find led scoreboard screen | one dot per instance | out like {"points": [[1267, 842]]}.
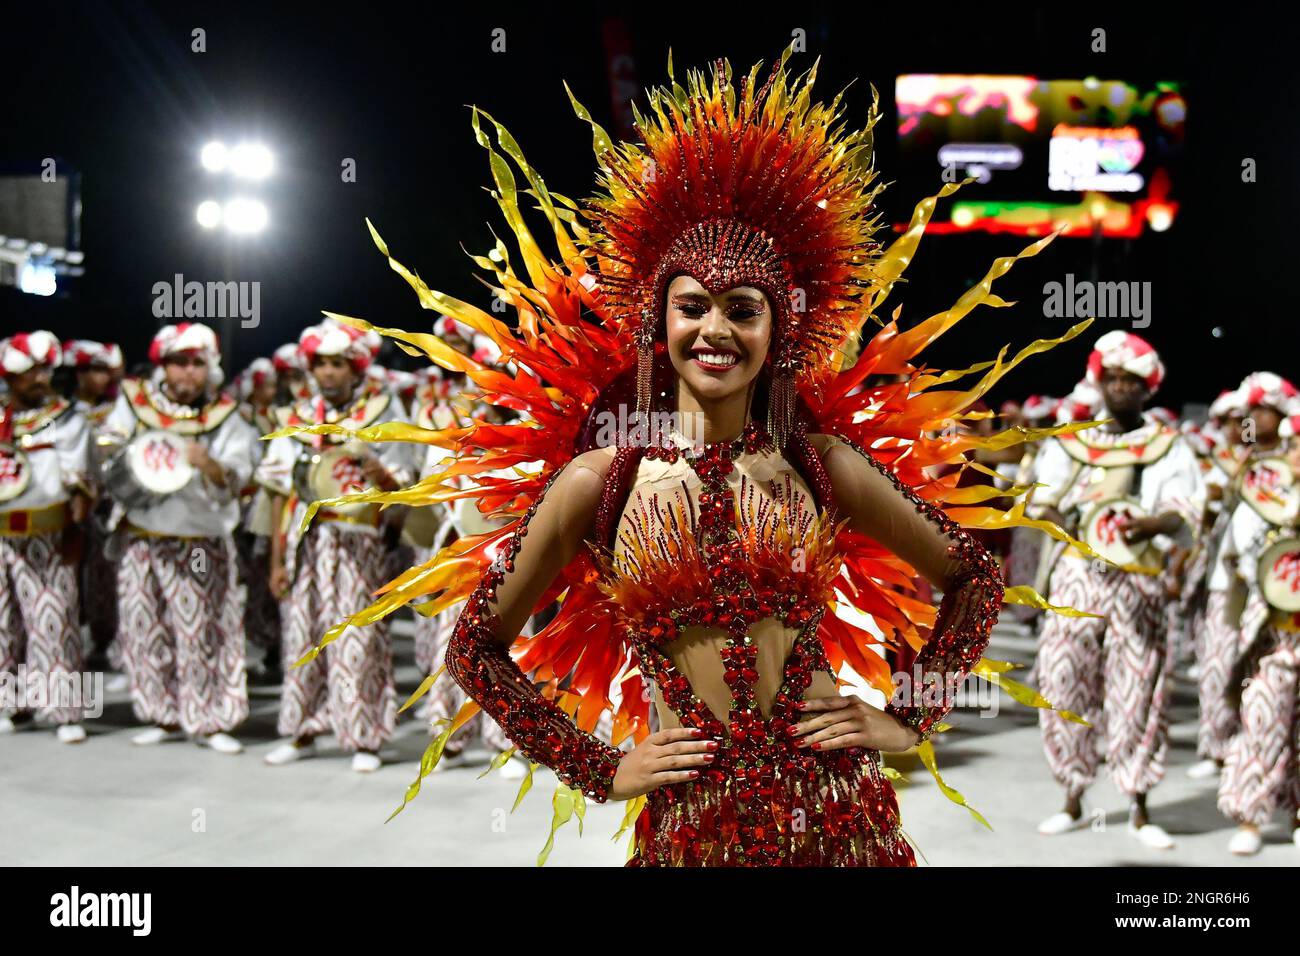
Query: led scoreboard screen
{"points": [[1092, 156]]}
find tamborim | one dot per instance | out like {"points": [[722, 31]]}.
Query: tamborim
{"points": [[1102, 529], [15, 473], [334, 472], [1269, 486], [1279, 573], [158, 461]]}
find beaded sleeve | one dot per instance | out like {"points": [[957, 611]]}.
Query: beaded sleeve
{"points": [[480, 663], [972, 599]]}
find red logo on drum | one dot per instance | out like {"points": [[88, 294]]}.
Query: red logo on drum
{"points": [[160, 455], [1110, 526], [348, 474], [1287, 569], [11, 470], [1263, 477]]}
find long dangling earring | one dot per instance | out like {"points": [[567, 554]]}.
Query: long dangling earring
{"points": [[780, 405], [645, 357]]}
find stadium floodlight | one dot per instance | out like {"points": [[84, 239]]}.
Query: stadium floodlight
{"points": [[245, 216]]}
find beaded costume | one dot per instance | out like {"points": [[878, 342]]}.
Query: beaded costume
{"points": [[711, 575]]}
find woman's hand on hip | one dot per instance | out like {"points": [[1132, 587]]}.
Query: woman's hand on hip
{"points": [[669, 756], [833, 723]]}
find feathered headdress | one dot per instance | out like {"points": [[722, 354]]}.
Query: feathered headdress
{"points": [[756, 186]]}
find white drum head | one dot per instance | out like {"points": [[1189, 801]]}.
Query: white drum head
{"points": [[15, 474], [159, 463], [1103, 530], [1269, 485], [336, 472], [1279, 574]]}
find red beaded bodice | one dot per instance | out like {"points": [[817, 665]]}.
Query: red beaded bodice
{"points": [[725, 559]]}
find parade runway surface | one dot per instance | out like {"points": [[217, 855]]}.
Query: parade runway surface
{"points": [[106, 802]]}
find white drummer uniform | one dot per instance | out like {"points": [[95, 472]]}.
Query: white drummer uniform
{"points": [[39, 628], [1113, 670], [180, 614], [1261, 766], [334, 568]]}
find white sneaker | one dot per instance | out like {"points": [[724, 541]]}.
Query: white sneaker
{"points": [[365, 763], [6, 726], [71, 733], [1062, 822], [289, 752], [1245, 843], [155, 735], [221, 743], [1203, 770], [513, 769], [1151, 835], [117, 684]]}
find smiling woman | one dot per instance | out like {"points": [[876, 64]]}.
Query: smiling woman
{"points": [[700, 562]]}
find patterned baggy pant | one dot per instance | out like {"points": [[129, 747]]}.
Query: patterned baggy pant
{"points": [[38, 623], [1261, 770], [348, 689], [1219, 646], [1113, 671], [179, 624]]}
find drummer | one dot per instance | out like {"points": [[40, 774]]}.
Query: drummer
{"points": [[1117, 664], [181, 454], [44, 496], [1260, 772], [330, 571]]}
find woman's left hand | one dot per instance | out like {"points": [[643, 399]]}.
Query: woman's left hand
{"points": [[833, 723]]}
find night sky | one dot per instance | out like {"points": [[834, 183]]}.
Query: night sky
{"points": [[114, 92]]}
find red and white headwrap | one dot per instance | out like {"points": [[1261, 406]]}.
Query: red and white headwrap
{"points": [[1132, 353], [1039, 406], [1266, 388], [333, 338], [84, 353], [185, 337], [1229, 404], [24, 351], [1290, 427], [287, 358], [1082, 404], [1166, 415], [259, 372]]}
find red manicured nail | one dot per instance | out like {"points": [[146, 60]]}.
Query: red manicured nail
{"points": [[695, 773], [711, 745], [817, 746]]}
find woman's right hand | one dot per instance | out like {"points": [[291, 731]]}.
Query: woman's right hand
{"points": [[669, 756]]}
